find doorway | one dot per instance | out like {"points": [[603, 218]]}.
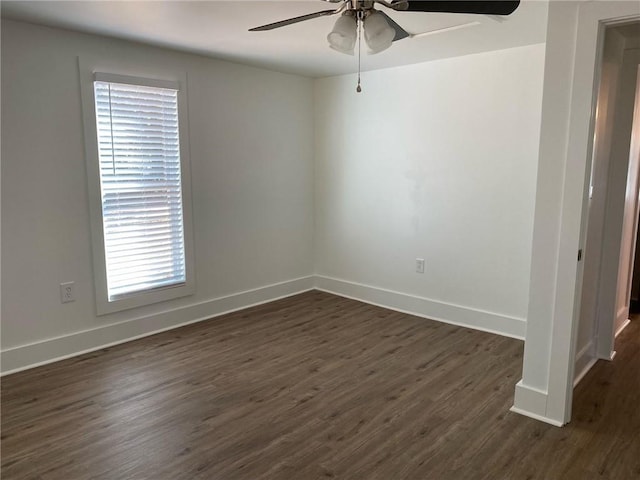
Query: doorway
{"points": [[634, 307], [613, 205]]}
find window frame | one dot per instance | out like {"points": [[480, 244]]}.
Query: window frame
{"points": [[90, 71]]}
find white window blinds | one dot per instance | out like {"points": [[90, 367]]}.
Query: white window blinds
{"points": [[140, 181]]}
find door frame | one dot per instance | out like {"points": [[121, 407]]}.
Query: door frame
{"points": [[593, 18], [573, 53]]}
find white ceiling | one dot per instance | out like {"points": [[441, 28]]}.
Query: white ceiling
{"points": [[219, 29]]}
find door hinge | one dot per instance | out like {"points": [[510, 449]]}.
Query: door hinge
{"points": [[579, 254]]}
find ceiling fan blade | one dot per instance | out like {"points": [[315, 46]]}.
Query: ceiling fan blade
{"points": [[400, 32], [486, 7], [290, 21]]}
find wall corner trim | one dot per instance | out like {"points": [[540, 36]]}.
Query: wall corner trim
{"points": [[52, 350], [532, 402], [535, 416], [424, 307]]}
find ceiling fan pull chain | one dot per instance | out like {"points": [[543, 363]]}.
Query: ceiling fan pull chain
{"points": [[359, 88]]}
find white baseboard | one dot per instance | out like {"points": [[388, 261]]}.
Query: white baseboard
{"points": [[424, 307], [532, 402], [535, 416], [51, 350], [609, 356], [585, 359], [624, 325], [31, 355]]}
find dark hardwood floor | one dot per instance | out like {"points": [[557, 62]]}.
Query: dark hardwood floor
{"points": [[313, 387]]}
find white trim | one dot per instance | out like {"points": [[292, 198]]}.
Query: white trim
{"points": [[535, 416], [584, 361], [530, 399], [608, 356], [131, 80], [624, 325], [51, 350], [425, 307], [532, 402]]}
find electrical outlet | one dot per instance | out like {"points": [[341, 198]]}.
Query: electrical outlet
{"points": [[67, 292], [420, 265]]}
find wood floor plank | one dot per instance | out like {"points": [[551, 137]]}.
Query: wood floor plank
{"points": [[313, 387]]}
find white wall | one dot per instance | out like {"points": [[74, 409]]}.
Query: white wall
{"points": [[252, 178], [436, 161]]}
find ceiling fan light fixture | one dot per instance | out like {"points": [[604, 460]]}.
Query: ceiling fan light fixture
{"points": [[343, 36], [378, 33]]}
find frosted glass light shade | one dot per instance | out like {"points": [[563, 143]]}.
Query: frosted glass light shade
{"points": [[343, 36], [378, 33]]}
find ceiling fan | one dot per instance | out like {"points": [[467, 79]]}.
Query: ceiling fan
{"points": [[380, 30]]}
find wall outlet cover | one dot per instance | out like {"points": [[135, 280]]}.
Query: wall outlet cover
{"points": [[67, 292]]}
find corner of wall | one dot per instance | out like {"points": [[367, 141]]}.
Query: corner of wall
{"points": [[531, 402], [424, 307]]}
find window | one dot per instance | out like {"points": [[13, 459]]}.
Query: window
{"points": [[138, 159]]}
